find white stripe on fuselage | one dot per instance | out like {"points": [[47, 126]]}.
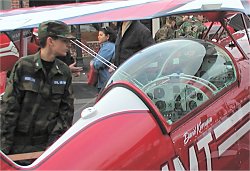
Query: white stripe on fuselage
{"points": [[233, 138], [232, 120], [120, 98], [228, 124], [9, 50], [9, 54], [205, 141]]}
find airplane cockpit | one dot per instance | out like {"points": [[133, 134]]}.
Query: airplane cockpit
{"points": [[178, 75]]}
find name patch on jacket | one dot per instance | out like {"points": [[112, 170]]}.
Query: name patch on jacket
{"points": [[30, 79], [59, 82]]}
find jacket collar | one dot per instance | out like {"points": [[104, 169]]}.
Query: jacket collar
{"points": [[39, 66], [38, 61], [104, 43]]}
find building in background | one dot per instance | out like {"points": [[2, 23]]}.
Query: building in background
{"points": [[5, 4], [13, 4]]}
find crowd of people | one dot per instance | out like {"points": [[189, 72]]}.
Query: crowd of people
{"points": [[44, 78], [121, 40], [181, 26]]}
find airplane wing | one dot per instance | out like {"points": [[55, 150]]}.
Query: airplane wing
{"points": [[113, 10]]}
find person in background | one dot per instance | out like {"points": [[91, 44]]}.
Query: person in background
{"points": [[106, 39], [38, 104], [167, 31], [132, 37], [193, 28], [180, 20], [69, 60], [33, 47]]}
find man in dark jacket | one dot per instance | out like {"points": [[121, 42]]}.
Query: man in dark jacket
{"points": [[38, 103], [132, 37]]}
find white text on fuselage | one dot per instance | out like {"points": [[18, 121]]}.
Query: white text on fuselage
{"points": [[196, 130], [204, 142]]}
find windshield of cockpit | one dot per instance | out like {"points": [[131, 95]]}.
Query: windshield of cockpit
{"points": [[178, 75]]}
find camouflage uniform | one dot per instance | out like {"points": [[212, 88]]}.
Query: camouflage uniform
{"points": [[164, 33], [192, 28], [37, 107], [168, 31], [179, 20]]}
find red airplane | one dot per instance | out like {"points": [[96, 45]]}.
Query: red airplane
{"points": [[11, 48], [182, 104]]}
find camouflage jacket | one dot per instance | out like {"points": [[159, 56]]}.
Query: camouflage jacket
{"points": [[192, 28], [164, 33], [36, 103]]}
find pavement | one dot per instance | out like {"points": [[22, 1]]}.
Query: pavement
{"points": [[85, 95]]}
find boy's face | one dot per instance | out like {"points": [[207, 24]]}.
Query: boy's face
{"points": [[60, 46], [200, 17]]}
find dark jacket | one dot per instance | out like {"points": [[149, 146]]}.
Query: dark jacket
{"points": [[37, 108], [68, 59], [136, 37]]}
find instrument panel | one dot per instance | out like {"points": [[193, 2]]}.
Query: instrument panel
{"points": [[174, 100]]}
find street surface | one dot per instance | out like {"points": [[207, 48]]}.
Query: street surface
{"points": [[85, 95]]}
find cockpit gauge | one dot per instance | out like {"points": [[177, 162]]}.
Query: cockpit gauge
{"points": [[191, 92], [192, 104], [159, 93], [161, 105]]}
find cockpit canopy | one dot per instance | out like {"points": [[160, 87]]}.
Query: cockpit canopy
{"points": [[178, 75]]}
